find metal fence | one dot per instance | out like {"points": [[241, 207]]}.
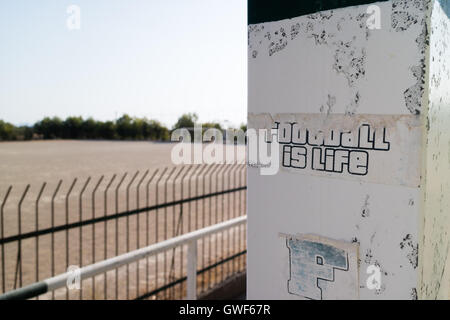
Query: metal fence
{"points": [[46, 230]]}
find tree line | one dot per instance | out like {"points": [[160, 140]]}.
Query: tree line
{"points": [[124, 128]]}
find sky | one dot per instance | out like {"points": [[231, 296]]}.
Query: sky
{"points": [[147, 58]]}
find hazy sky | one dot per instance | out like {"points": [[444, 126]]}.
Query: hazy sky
{"points": [[153, 58]]}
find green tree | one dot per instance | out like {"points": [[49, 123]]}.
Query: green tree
{"points": [[124, 127], [49, 128], [187, 120], [154, 130], [72, 128], [6, 131], [209, 125], [107, 130], [89, 129]]}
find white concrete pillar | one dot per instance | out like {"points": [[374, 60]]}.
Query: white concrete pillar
{"points": [[358, 95]]}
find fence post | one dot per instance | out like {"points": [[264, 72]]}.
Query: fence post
{"points": [[192, 270]]}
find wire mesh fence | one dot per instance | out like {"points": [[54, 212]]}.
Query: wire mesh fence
{"points": [[46, 229]]}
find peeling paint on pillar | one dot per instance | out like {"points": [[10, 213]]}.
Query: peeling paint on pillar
{"points": [[325, 71], [345, 33], [434, 260]]}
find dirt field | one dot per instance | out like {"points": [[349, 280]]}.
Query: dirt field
{"points": [[38, 161], [33, 163]]}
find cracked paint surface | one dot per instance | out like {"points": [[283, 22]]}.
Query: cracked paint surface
{"points": [[402, 19], [345, 34]]}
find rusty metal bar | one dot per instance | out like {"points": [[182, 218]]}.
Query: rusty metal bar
{"points": [[2, 220], [105, 236], [19, 252], [93, 230], [36, 220]]}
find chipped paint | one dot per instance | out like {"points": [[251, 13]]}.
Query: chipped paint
{"points": [[265, 11], [345, 34], [412, 250], [414, 294], [365, 211]]}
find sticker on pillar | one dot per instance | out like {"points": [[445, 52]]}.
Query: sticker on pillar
{"points": [[368, 148], [321, 268]]}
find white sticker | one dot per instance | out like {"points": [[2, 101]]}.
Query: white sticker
{"points": [[373, 148]]}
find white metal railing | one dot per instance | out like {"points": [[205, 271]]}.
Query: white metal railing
{"points": [[189, 239]]}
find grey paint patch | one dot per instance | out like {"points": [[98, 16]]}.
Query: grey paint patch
{"points": [[331, 101], [412, 250], [413, 97], [383, 271], [279, 43], [414, 294], [384, 274], [349, 58], [365, 211], [372, 237], [368, 257], [402, 18], [405, 6], [381, 290]]}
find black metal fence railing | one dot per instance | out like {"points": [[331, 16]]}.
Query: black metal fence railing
{"points": [[46, 230]]}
